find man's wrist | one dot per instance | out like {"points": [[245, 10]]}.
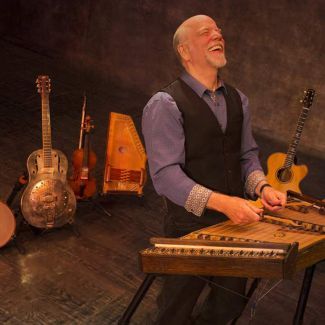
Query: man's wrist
{"points": [[262, 188], [215, 201], [254, 180]]}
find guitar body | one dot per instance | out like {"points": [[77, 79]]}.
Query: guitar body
{"points": [[284, 179], [48, 201], [283, 174]]}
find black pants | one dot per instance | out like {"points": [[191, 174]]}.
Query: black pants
{"points": [[179, 295]]}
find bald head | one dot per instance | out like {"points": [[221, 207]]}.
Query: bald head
{"points": [[199, 45], [182, 31]]}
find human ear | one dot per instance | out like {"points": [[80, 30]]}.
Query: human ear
{"points": [[183, 52]]}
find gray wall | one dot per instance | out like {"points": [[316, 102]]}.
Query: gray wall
{"points": [[274, 49]]}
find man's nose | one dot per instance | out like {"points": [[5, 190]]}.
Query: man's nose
{"points": [[216, 34]]}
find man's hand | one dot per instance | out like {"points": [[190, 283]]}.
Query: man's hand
{"points": [[272, 199], [240, 211]]}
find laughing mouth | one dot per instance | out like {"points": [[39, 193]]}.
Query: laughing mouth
{"points": [[216, 48]]}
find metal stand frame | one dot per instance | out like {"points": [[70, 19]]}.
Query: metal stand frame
{"points": [[298, 317], [137, 298], [144, 287], [304, 293]]}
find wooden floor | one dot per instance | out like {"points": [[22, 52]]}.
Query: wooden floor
{"points": [[66, 278]]}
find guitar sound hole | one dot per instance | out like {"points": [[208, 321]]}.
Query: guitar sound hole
{"points": [[284, 175]]}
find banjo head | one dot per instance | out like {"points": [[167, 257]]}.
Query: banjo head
{"points": [[7, 224]]}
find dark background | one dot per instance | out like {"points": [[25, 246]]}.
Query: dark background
{"points": [[275, 49]]}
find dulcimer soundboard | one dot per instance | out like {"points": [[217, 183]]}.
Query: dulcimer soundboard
{"points": [[275, 247], [125, 167]]}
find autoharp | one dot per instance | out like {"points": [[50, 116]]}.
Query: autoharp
{"points": [[275, 247], [125, 167]]}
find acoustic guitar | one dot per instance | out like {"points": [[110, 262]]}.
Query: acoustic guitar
{"points": [[47, 201], [283, 173]]}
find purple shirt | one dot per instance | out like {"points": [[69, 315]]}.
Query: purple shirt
{"points": [[162, 127]]}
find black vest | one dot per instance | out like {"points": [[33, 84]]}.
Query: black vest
{"points": [[212, 158]]}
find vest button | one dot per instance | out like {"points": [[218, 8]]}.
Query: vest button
{"points": [[229, 171]]}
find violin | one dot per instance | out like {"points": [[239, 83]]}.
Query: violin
{"points": [[83, 162]]}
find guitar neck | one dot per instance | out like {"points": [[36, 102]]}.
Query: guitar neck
{"points": [[307, 102], [46, 131], [291, 153]]}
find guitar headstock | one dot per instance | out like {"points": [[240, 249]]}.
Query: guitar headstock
{"points": [[43, 84], [308, 98]]}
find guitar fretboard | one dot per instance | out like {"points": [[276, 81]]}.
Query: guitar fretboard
{"points": [[296, 138], [307, 102], [46, 131]]}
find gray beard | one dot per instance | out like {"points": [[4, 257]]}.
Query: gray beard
{"points": [[219, 63]]}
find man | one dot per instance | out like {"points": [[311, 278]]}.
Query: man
{"points": [[202, 158]]}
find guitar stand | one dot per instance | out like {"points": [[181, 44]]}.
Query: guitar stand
{"points": [[95, 204], [20, 183], [42, 231], [19, 246], [100, 207], [71, 226], [74, 229]]}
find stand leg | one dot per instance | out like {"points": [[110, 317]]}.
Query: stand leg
{"points": [[21, 249], [136, 299], [20, 183], [250, 292], [70, 226], [19, 221], [253, 287], [304, 292], [95, 204], [99, 206], [75, 230]]}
